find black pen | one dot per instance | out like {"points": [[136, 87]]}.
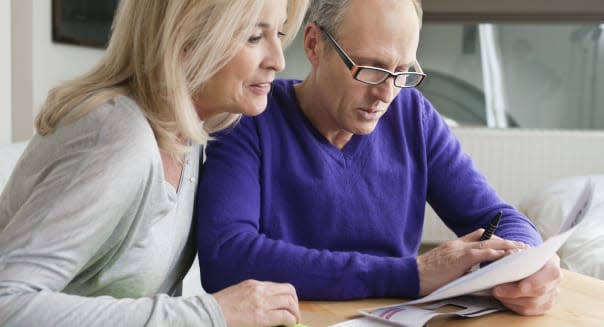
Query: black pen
{"points": [[487, 235], [492, 227]]}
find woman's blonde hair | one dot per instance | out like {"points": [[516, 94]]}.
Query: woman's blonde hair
{"points": [[161, 52]]}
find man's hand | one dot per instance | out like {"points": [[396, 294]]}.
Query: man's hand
{"points": [[535, 294], [452, 259], [253, 303]]}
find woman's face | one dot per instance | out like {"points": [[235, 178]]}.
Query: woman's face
{"points": [[243, 84]]}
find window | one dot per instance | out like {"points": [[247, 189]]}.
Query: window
{"points": [[534, 64]]}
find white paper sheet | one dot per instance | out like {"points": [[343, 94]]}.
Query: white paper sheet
{"points": [[518, 265], [362, 322]]}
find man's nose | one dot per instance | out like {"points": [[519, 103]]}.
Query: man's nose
{"points": [[386, 91]]}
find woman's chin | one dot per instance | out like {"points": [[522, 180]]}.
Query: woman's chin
{"points": [[255, 109]]}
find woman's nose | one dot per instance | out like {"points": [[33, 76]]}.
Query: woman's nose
{"points": [[275, 58]]}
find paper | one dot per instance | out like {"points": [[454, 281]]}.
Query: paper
{"points": [[518, 265], [412, 316], [511, 268], [362, 322]]}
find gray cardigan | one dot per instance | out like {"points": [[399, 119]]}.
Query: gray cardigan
{"points": [[92, 235]]}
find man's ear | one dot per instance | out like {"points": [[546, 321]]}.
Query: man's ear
{"points": [[313, 44]]}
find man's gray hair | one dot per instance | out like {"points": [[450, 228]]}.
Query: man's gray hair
{"points": [[329, 13], [326, 13]]}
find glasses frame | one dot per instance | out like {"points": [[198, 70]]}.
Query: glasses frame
{"points": [[355, 69]]}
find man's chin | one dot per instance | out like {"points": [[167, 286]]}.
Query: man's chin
{"points": [[365, 129]]}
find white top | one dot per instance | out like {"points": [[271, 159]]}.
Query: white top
{"points": [[91, 234]]}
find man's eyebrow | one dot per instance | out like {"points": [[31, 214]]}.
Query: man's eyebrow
{"points": [[369, 60]]}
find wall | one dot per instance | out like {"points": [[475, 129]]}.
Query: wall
{"points": [[5, 77], [296, 63], [38, 63]]}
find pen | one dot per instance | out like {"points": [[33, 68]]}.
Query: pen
{"points": [[492, 227], [487, 234]]}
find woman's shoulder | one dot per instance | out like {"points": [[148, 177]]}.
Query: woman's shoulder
{"points": [[116, 131], [120, 119]]}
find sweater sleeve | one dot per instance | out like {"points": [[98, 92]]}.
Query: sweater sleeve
{"points": [[233, 248], [460, 195], [78, 214]]}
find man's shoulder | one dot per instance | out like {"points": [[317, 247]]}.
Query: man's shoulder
{"points": [[282, 102], [285, 84], [283, 92]]}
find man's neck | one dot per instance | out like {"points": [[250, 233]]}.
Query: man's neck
{"points": [[313, 108]]}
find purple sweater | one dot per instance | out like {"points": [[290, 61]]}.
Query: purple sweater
{"points": [[278, 202]]}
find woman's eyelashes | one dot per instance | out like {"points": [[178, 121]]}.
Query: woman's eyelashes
{"points": [[256, 38]]}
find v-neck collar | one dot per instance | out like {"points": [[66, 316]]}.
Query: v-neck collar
{"points": [[348, 152]]}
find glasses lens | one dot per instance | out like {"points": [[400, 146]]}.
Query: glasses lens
{"points": [[407, 80], [371, 76]]}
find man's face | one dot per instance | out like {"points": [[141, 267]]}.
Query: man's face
{"points": [[384, 34]]}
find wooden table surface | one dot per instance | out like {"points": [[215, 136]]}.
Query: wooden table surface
{"points": [[580, 303]]}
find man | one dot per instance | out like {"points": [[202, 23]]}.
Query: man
{"points": [[327, 188]]}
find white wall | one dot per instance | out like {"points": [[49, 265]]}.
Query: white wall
{"points": [[5, 76], [21, 70], [38, 63]]}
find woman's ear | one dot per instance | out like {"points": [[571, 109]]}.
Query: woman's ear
{"points": [[313, 43]]}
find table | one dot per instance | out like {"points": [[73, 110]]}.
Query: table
{"points": [[580, 303]]}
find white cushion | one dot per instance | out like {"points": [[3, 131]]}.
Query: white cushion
{"points": [[584, 251]]}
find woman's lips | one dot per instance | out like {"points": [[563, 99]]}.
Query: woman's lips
{"points": [[260, 88]]}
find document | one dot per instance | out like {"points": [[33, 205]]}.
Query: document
{"points": [[511, 268]]}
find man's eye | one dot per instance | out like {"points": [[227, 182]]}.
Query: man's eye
{"points": [[281, 35]]}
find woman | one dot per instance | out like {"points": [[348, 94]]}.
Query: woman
{"points": [[95, 222]]}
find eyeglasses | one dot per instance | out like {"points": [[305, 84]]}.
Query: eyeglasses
{"points": [[374, 75]]}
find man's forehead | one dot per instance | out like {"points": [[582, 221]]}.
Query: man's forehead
{"points": [[383, 33], [380, 16]]}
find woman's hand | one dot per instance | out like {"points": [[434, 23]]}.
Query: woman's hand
{"points": [[253, 303]]}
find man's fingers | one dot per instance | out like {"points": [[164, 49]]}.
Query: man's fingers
{"points": [[498, 244], [529, 306], [473, 236]]}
